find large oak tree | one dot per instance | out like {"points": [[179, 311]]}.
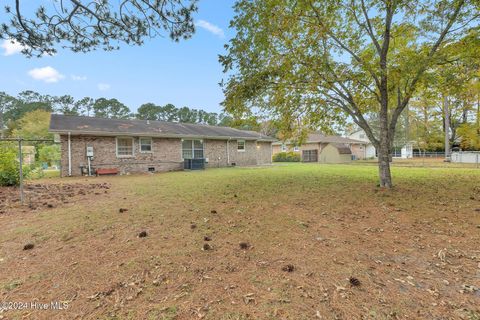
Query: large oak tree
{"points": [[308, 62]]}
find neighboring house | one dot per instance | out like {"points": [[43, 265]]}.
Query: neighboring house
{"points": [[146, 146], [404, 151], [28, 153], [369, 150], [321, 148]]}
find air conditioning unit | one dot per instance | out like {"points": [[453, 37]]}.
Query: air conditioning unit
{"points": [[194, 164]]}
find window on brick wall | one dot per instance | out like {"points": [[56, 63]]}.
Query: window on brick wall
{"points": [[241, 145], [124, 147], [145, 145], [192, 149]]}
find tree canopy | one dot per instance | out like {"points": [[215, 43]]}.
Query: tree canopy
{"points": [[83, 26]]}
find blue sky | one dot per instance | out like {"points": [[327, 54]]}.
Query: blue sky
{"points": [[161, 71]]}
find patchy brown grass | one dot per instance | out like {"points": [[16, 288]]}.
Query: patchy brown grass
{"points": [[322, 242]]}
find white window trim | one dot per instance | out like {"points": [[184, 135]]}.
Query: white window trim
{"points": [[140, 144], [296, 149], [283, 147], [244, 146], [133, 148]]}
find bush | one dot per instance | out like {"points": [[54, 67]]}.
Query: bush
{"points": [[49, 154], [36, 173], [9, 173], [287, 157]]}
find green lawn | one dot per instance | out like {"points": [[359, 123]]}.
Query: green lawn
{"points": [[414, 249]]}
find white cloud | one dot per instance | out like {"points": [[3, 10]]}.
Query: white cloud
{"points": [[210, 28], [78, 78], [11, 47], [47, 74], [103, 86]]}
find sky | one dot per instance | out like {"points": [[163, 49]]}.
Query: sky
{"points": [[161, 71]]}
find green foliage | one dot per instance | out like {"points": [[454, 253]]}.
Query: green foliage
{"points": [[151, 111], [27, 101], [148, 111], [49, 154], [82, 26], [36, 173], [470, 137], [66, 105], [287, 157], [9, 171], [33, 125], [110, 108]]}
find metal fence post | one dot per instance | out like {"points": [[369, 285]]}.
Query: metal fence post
{"points": [[20, 171]]}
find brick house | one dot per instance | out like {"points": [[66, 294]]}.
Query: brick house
{"points": [[143, 146], [321, 148]]}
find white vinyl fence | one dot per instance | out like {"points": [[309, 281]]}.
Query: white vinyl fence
{"points": [[466, 157]]}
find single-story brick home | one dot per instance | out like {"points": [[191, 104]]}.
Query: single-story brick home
{"points": [[149, 146], [322, 148]]}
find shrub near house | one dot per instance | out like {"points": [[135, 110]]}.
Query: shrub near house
{"points": [[287, 157]]}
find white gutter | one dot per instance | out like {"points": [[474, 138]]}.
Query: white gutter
{"points": [[69, 156], [228, 151]]}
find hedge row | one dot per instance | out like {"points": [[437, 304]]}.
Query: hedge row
{"points": [[287, 157]]}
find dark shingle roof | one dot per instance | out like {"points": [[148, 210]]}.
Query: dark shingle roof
{"points": [[317, 137], [100, 126]]}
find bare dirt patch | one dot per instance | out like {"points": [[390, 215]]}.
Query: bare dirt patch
{"points": [[47, 195]]}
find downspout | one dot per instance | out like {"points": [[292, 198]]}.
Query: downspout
{"points": [[69, 156], [228, 151]]}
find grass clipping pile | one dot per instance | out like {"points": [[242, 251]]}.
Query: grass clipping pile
{"points": [[47, 195]]}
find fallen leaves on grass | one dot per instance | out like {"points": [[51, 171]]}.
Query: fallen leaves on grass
{"points": [[248, 298], [288, 268], [354, 282], [28, 246], [244, 245]]}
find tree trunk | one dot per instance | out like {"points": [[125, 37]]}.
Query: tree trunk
{"points": [[384, 146], [384, 165], [478, 113], [446, 112]]}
